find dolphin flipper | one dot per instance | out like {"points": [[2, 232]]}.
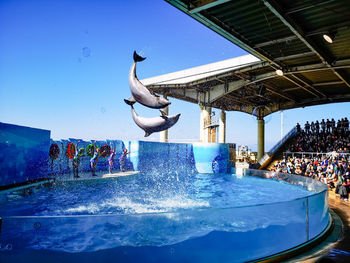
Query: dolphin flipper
{"points": [[138, 58], [148, 134], [154, 94], [163, 114], [130, 101]]}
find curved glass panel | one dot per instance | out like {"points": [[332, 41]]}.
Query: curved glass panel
{"points": [[205, 234]]}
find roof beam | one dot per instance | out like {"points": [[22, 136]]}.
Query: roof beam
{"points": [[224, 30], [273, 90], [277, 11], [275, 41], [307, 6], [239, 100], [300, 55], [220, 90], [315, 101], [207, 4], [328, 83], [296, 83], [272, 74], [189, 94], [309, 85], [338, 26]]}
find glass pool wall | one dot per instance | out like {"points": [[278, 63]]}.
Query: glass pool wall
{"points": [[235, 234], [317, 209]]}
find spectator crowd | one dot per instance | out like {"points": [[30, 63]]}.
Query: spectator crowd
{"points": [[330, 159]]}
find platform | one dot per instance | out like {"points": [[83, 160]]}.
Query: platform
{"points": [[99, 175]]}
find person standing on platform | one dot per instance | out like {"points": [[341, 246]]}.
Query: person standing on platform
{"points": [[94, 160], [122, 160], [111, 159], [76, 160]]}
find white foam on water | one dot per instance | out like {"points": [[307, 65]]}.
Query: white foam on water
{"points": [[133, 207]]}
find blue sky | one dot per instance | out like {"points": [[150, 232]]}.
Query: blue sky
{"points": [[64, 67]]}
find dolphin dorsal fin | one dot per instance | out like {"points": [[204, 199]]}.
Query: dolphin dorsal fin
{"points": [[147, 134], [163, 114]]}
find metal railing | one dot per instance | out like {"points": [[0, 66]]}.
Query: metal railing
{"points": [[274, 149], [312, 154]]}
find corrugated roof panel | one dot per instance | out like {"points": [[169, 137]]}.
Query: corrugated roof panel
{"points": [[315, 18], [320, 76], [304, 60]]}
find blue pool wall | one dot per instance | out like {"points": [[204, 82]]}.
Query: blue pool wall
{"points": [[24, 156], [23, 153]]}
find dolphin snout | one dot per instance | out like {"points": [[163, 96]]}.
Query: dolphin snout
{"points": [[177, 116], [164, 101]]}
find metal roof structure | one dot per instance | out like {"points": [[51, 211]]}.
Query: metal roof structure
{"points": [[285, 35]]}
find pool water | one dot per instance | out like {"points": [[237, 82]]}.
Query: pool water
{"points": [[160, 218], [146, 193]]}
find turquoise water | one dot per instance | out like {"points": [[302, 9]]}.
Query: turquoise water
{"points": [[159, 218], [146, 193]]}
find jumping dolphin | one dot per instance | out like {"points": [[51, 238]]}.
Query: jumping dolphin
{"points": [[157, 124], [140, 93]]}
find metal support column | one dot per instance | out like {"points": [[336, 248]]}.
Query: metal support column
{"points": [[222, 127], [164, 134], [261, 137], [204, 122]]}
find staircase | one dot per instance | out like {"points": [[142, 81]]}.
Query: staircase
{"points": [[277, 149]]}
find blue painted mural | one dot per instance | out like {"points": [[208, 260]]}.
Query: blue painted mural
{"points": [[145, 156], [23, 153]]}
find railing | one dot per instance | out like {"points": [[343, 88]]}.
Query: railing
{"points": [[211, 121], [289, 135], [312, 154], [274, 149]]}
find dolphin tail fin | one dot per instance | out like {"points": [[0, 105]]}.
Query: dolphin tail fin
{"points": [[138, 58], [148, 134], [130, 101]]}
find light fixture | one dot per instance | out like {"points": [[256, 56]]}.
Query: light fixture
{"points": [[329, 37], [279, 72]]}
